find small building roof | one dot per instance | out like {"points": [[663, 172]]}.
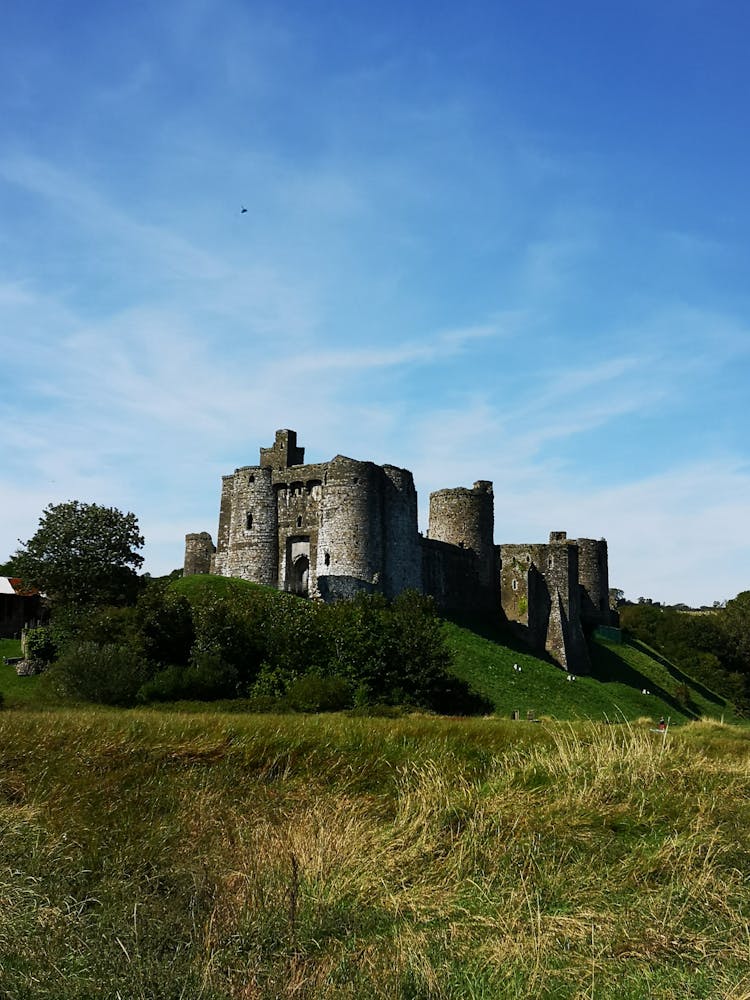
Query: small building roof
{"points": [[13, 585]]}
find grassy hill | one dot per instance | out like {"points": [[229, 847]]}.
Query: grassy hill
{"points": [[613, 690], [484, 657]]}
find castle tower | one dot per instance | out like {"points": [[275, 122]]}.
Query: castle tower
{"points": [[350, 537], [593, 576], [199, 549], [284, 452], [466, 518], [247, 542]]}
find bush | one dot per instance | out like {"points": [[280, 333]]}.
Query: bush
{"points": [[208, 678], [41, 645], [313, 693], [107, 674], [165, 625]]}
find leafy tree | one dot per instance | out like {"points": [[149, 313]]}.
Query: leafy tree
{"points": [[734, 620], [616, 597], [82, 554]]}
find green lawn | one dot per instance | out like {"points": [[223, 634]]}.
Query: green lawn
{"points": [[17, 690]]}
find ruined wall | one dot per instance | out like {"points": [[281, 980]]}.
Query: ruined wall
{"points": [[450, 575], [199, 551], [401, 543], [540, 594]]}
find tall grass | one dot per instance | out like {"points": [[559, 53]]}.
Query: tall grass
{"points": [[161, 856]]}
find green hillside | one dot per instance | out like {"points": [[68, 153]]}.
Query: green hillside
{"points": [[484, 657], [620, 672]]}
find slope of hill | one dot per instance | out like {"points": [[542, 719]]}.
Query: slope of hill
{"points": [[484, 657], [620, 673]]}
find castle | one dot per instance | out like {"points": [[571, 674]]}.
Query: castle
{"points": [[332, 529]]}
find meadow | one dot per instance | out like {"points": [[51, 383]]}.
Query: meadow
{"points": [[159, 854]]}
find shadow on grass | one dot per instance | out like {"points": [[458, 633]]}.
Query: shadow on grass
{"points": [[500, 632], [675, 672], [608, 667]]}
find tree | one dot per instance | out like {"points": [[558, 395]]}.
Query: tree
{"points": [[82, 554], [616, 598], [734, 619]]}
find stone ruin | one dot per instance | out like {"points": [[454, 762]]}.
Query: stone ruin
{"points": [[332, 529]]}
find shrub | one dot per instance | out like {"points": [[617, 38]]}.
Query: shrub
{"points": [[313, 693], [108, 674], [41, 644], [165, 625], [208, 678]]}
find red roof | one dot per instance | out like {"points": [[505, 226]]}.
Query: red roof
{"points": [[15, 585]]}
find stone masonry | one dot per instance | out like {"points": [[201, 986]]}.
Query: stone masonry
{"points": [[332, 529]]}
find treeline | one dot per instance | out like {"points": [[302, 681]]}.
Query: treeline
{"points": [[713, 647], [200, 639]]}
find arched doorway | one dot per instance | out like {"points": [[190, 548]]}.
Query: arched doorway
{"points": [[299, 578]]}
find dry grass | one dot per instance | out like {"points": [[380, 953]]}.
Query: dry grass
{"points": [[334, 858]]}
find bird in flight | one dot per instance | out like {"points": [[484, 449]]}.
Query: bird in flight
{"points": [[243, 210]]}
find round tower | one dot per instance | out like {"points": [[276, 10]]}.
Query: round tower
{"points": [[350, 539], [593, 576], [248, 527], [466, 518]]}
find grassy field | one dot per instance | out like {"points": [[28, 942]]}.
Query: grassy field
{"points": [[151, 855], [14, 689]]}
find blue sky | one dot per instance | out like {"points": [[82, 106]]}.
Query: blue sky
{"points": [[485, 240]]}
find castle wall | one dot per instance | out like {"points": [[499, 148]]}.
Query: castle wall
{"points": [[449, 574], [401, 542], [540, 594]]}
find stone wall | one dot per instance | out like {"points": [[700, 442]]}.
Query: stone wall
{"points": [[199, 551], [541, 595], [593, 575]]}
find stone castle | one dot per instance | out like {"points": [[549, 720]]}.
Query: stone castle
{"points": [[332, 529]]}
